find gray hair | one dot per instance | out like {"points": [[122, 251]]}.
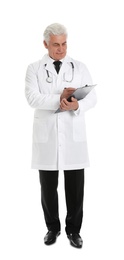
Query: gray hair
{"points": [[55, 29]]}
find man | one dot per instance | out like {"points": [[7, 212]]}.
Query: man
{"points": [[59, 139]]}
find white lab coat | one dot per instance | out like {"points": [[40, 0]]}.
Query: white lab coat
{"points": [[59, 140]]}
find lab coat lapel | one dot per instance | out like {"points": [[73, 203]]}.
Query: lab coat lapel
{"points": [[50, 67], [65, 65], [49, 64]]}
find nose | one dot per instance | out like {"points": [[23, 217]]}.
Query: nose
{"points": [[60, 48]]}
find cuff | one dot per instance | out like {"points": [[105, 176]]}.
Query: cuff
{"points": [[77, 112]]}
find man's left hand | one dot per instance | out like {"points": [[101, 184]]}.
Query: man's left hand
{"points": [[65, 105]]}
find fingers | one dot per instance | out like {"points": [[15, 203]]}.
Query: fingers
{"points": [[65, 105], [69, 91], [73, 99], [66, 93]]}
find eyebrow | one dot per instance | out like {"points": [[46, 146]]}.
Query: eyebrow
{"points": [[56, 43]]}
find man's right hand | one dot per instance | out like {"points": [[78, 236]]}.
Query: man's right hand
{"points": [[66, 93]]}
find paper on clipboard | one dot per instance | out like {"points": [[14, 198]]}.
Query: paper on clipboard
{"points": [[79, 94]]}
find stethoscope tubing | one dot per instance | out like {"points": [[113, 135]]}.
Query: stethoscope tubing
{"points": [[49, 78]]}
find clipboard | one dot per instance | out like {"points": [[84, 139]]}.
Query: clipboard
{"points": [[79, 94]]}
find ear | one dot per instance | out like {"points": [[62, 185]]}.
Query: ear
{"points": [[45, 44]]}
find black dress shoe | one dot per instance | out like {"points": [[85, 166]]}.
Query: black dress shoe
{"points": [[51, 237], [75, 240]]}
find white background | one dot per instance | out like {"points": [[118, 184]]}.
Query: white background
{"points": [[96, 38]]}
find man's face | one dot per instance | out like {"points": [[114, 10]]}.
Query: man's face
{"points": [[57, 46]]}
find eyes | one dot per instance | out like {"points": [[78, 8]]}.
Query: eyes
{"points": [[64, 44]]}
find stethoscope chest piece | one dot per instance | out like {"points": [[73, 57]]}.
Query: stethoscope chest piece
{"points": [[49, 79]]}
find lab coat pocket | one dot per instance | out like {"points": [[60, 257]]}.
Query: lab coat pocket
{"points": [[40, 132], [79, 131]]}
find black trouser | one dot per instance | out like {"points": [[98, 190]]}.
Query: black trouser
{"points": [[74, 191]]}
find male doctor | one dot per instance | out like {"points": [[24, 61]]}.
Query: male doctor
{"points": [[59, 139]]}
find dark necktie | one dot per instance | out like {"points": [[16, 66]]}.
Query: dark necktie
{"points": [[57, 65]]}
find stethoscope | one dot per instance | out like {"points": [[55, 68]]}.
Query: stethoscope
{"points": [[49, 79]]}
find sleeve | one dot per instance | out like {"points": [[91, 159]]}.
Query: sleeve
{"points": [[91, 99], [33, 95]]}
